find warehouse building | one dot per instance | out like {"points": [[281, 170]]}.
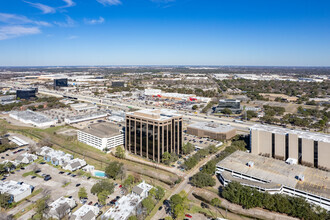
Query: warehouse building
{"points": [[275, 176], [308, 148], [102, 136], [212, 130], [151, 132], [16, 190], [35, 118], [86, 117]]}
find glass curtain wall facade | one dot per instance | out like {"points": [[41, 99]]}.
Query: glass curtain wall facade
{"points": [[151, 138]]}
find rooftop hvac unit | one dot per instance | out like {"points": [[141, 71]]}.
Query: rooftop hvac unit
{"points": [[250, 164], [301, 177]]}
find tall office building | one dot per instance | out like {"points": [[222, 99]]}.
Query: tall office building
{"points": [[151, 132], [307, 148]]}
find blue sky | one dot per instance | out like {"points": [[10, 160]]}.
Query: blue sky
{"points": [[164, 32]]}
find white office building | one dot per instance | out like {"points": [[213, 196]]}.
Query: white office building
{"points": [[102, 136]]}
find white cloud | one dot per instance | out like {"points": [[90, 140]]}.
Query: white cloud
{"points": [[7, 32], [109, 2], [69, 3], [69, 22], [72, 37], [100, 20], [44, 8], [20, 19]]}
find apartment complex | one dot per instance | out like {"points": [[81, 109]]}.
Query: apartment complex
{"points": [[151, 132], [311, 149], [102, 136], [212, 130]]}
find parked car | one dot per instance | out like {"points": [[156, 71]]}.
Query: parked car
{"points": [[90, 203], [188, 215], [160, 208], [47, 177], [61, 172], [78, 184], [32, 177]]}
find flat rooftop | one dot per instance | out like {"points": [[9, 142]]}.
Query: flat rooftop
{"points": [[278, 172], [103, 130], [212, 127], [35, 117], [155, 114], [301, 134]]}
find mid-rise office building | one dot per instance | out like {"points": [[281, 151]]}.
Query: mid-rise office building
{"points": [[308, 148], [26, 93], [232, 104], [60, 83], [151, 132], [117, 84]]}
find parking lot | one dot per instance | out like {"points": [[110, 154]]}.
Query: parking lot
{"points": [[198, 141]]}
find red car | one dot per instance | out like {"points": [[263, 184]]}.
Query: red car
{"points": [[90, 203], [120, 186], [188, 216]]}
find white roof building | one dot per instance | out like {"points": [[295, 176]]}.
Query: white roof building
{"points": [[17, 190], [86, 212], [35, 118], [74, 164], [126, 205], [26, 158], [60, 208]]}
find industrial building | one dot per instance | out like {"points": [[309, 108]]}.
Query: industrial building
{"points": [[83, 107], [26, 93], [80, 118], [16, 190], [35, 118], [102, 136], [151, 132], [232, 104], [308, 148], [212, 130], [276, 176]]}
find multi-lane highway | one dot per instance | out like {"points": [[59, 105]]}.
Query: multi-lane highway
{"points": [[240, 126]]}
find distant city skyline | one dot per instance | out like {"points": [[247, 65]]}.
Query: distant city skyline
{"points": [[164, 32]]}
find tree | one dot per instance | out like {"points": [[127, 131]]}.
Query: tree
{"points": [[168, 218], [82, 193], [5, 200], [166, 158], [216, 202], [120, 152], [202, 180], [102, 197], [42, 204], [226, 111], [187, 148], [114, 169], [101, 186], [157, 192], [178, 211], [148, 204], [129, 181], [194, 107]]}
